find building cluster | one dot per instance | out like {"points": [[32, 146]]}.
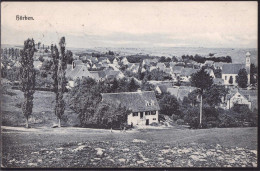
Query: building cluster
{"points": [[144, 105]]}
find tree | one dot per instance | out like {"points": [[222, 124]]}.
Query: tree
{"points": [[132, 87], [213, 94], [169, 105], [253, 74], [39, 44], [69, 57], [230, 80], [218, 73], [60, 103], [242, 78], [41, 58], [27, 76], [140, 70], [202, 80]]}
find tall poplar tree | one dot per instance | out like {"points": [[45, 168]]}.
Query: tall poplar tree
{"points": [[61, 82], [27, 77]]}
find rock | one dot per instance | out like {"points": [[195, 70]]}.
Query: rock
{"points": [[96, 158], [32, 164], [140, 162], [55, 126], [254, 151], [122, 160], [194, 157], [112, 160], [164, 151], [137, 140], [254, 164], [125, 150], [168, 161], [220, 158], [99, 151]]}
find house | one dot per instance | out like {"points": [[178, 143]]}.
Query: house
{"points": [[186, 74], [177, 70], [230, 71], [150, 62], [209, 63], [218, 65], [181, 92], [115, 61], [143, 105], [125, 61], [218, 81], [237, 98], [210, 72], [161, 66]]}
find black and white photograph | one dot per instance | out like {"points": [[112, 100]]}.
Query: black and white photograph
{"points": [[120, 84]]}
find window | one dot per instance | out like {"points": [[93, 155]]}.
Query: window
{"points": [[147, 113], [153, 112], [225, 77], [154, 119], [135, 114]]}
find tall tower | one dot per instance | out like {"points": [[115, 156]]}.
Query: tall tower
{"points": [[248, 63]]}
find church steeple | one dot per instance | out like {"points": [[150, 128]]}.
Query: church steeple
{"points": [[248, 63]]}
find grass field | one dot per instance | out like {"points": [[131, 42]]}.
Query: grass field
{"points": [[43, 146], [83, 147]]}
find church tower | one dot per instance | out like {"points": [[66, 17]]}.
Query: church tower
{"points": [[248, 63]]}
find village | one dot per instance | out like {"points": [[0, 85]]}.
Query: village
{"points": [[129, 85]]}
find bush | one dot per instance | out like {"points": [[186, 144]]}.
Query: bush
{"points": [[175, 117], [180, 121]]}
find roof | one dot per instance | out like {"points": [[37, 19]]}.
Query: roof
{"points": [[218, 64], [78, 62], [218, 81], [148, 61], [181, 92], [161, 65], [78, 72], [164, 87], [135, 101], [177, 69], [188, 71], [232, 68]]}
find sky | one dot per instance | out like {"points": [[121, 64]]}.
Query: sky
{"points": [[216, 24]]}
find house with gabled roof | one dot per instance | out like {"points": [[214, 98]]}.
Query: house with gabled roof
{"points": [[150, 61], [124, 61], [142, 104], [237, 98], [181, 91], [186, 74]]}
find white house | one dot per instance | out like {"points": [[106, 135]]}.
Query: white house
{"points": [[237, 98], [125, 61], [230, 71], [143, 105]]}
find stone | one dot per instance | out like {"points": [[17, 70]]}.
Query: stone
{"points": [[99, 151], [140, 162], [122, 160], [137, 140]]}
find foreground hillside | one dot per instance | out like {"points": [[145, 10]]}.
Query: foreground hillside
{"points": [[47, 147]]}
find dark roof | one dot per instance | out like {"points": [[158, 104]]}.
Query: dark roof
{"points": [[188, 71], [232, 68], [164, 87], [177, 69], [135, 101]]}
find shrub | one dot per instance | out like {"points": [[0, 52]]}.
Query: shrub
{"points": [[175, 117], [180, 121]]}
